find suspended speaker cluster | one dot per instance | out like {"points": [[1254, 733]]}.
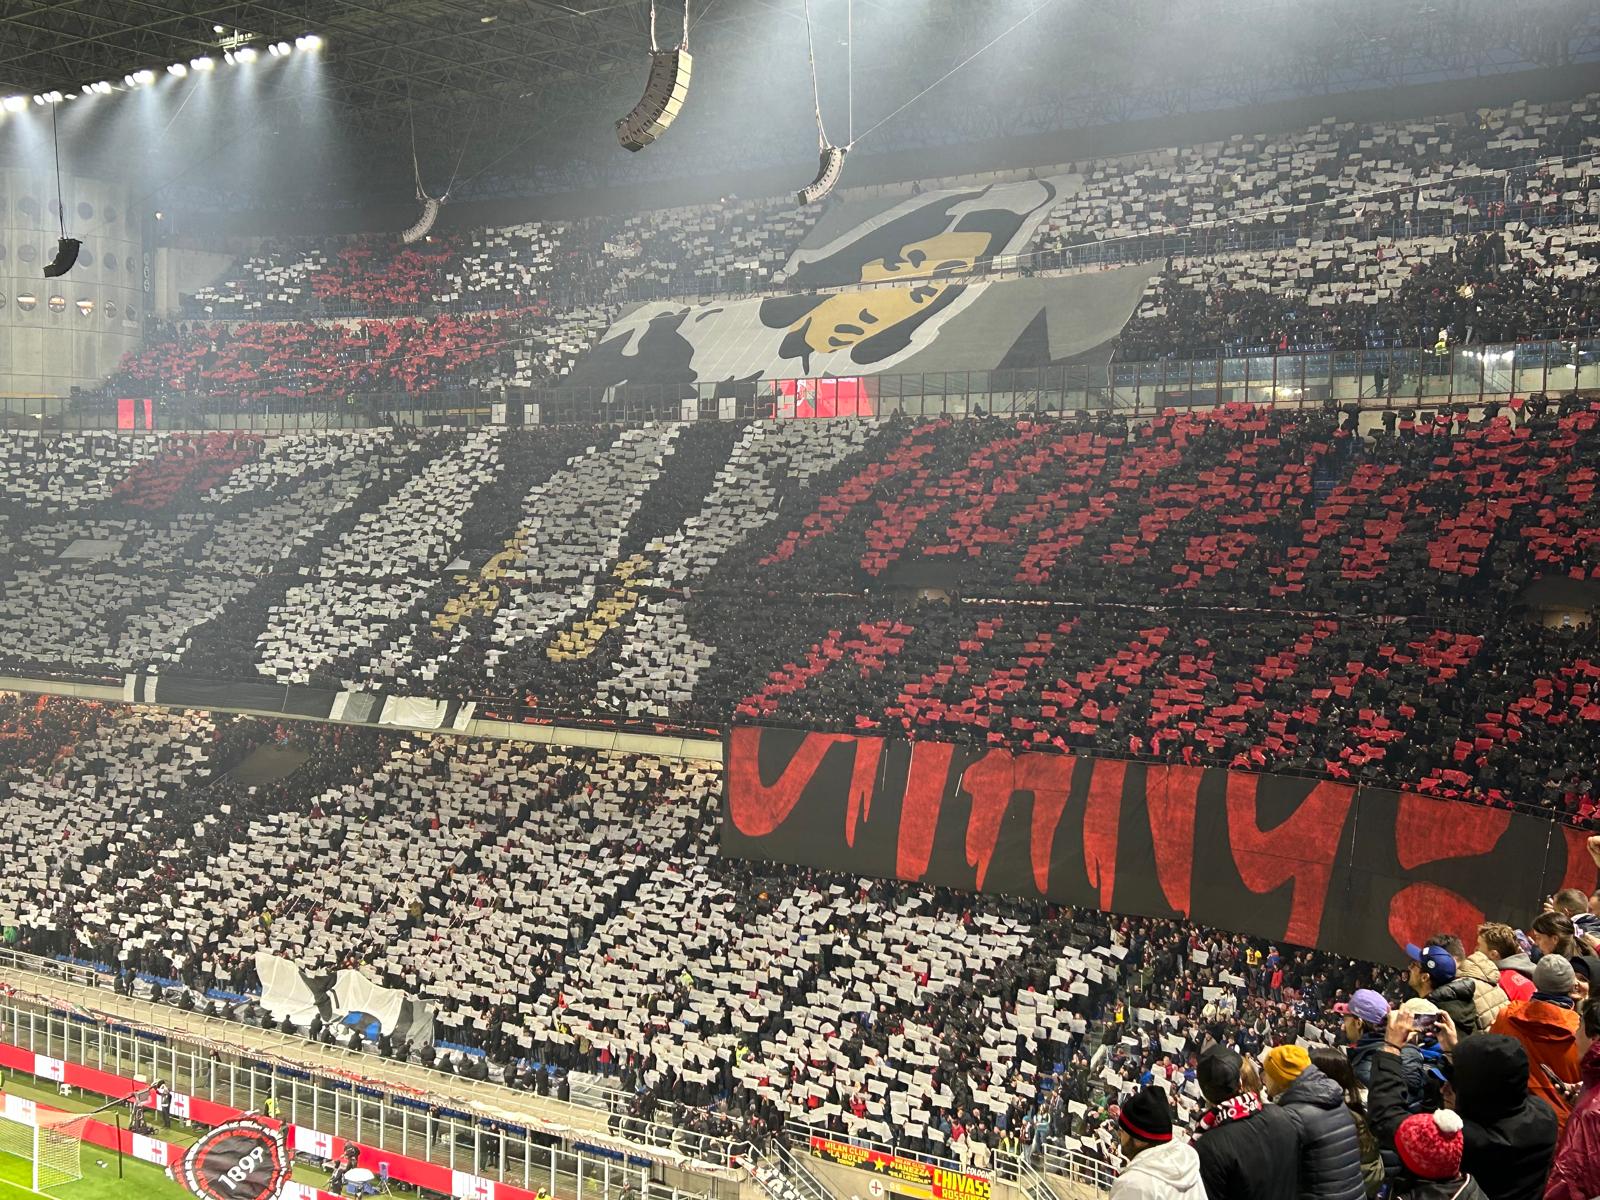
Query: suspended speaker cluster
{"points": [[830, 166], [430, 214], [66, 257], [663, 98]]}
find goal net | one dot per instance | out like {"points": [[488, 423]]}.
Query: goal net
{"points": [[52, 1146]]}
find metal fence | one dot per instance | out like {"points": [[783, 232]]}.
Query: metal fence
{"points": [[1307, 378], [345, 1109], [1081, 1170]]}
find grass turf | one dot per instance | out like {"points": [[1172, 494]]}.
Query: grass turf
{"points": [[140, 1181]]}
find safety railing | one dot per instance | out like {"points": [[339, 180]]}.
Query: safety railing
{"points": [[1077, 1168], [1303, 379], [560, 1157]]}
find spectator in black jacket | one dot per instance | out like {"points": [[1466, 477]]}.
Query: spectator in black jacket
{"points": [[1509, 1135], [1433, 976], [1364, 1018], [1330, 1147], [1248, 1150]]}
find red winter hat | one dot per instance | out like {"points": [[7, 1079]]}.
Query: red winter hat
{"points": [[1429, 1144]]}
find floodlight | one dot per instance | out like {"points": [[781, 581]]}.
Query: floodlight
{"points": [[178, 69], [308, 41], [202, 63]]}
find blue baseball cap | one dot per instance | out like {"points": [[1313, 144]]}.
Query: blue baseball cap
{"points": [[1435, 961]]}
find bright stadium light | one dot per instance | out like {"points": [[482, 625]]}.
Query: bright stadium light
{"points": [[245, 54], [308, 41], [178, 69], [144, 77], [13, 104], [202, 63], [278, 49]]}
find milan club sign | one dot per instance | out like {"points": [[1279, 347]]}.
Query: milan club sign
{"points": [[1358, 871], [244, 1159]]}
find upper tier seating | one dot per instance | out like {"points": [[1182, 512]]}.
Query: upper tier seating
{"points": [[703, 572]]}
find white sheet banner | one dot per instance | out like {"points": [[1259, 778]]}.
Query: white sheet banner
{"points": [[471, 1187], [49, 1068], [149, 1149], [20, 1110], [312, 1141]]}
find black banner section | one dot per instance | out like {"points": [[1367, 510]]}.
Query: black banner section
{"points": [[241, 1160], [1358, 871]]}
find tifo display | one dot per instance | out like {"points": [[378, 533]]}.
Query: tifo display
{"points": [[547, 658]]}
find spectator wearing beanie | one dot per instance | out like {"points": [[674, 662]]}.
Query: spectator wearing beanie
{"points": [[1547, 1027], [1576, 1173], [1159, 1167], [1330, 1147], [1432, 976], [1508, 1135], [1248, 1150], [1429, 1146], [1364, 1018]]}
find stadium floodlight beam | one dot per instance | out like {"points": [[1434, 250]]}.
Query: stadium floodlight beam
{"points": [[245, 54], [14, 104], [178, 69], [144, 77], [203, 63], [308, 41], [278, 49]]}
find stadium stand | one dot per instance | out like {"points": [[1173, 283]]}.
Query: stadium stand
{"points": [[1241, 586], [1337, 595], [564, 908]]}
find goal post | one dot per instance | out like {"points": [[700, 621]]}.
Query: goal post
{"points": [[51, 1144], [58, 1149]]}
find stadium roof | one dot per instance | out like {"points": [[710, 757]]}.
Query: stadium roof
{"points": [[476, 77]]}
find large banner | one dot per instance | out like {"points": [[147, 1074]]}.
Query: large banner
{"points": [[907, 1176], [1358, 871]]}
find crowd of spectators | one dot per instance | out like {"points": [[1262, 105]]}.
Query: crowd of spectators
{"points": [[568, 915], [1311, 593], [1470, 230]]}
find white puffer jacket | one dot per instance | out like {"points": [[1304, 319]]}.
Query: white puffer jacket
{"points": [[1167, 1172]]}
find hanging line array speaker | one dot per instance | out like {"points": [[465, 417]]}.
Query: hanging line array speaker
{"points": [[430, 214], [663, 98], [830, 166], [66, 257]]}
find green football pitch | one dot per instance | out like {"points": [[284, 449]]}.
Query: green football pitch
{"points": [[139, 1180]]}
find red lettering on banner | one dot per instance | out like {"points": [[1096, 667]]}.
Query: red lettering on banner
{"points": [[992, 781], [863, 779], [1418, 912], [757, 809], [1299, 850], [1580, 872], [1102, 818], [919, 809], [1171, 794], [1049, 777], [1418, 821]]}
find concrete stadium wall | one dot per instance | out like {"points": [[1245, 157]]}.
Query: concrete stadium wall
{"points": [[57, 333]]}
